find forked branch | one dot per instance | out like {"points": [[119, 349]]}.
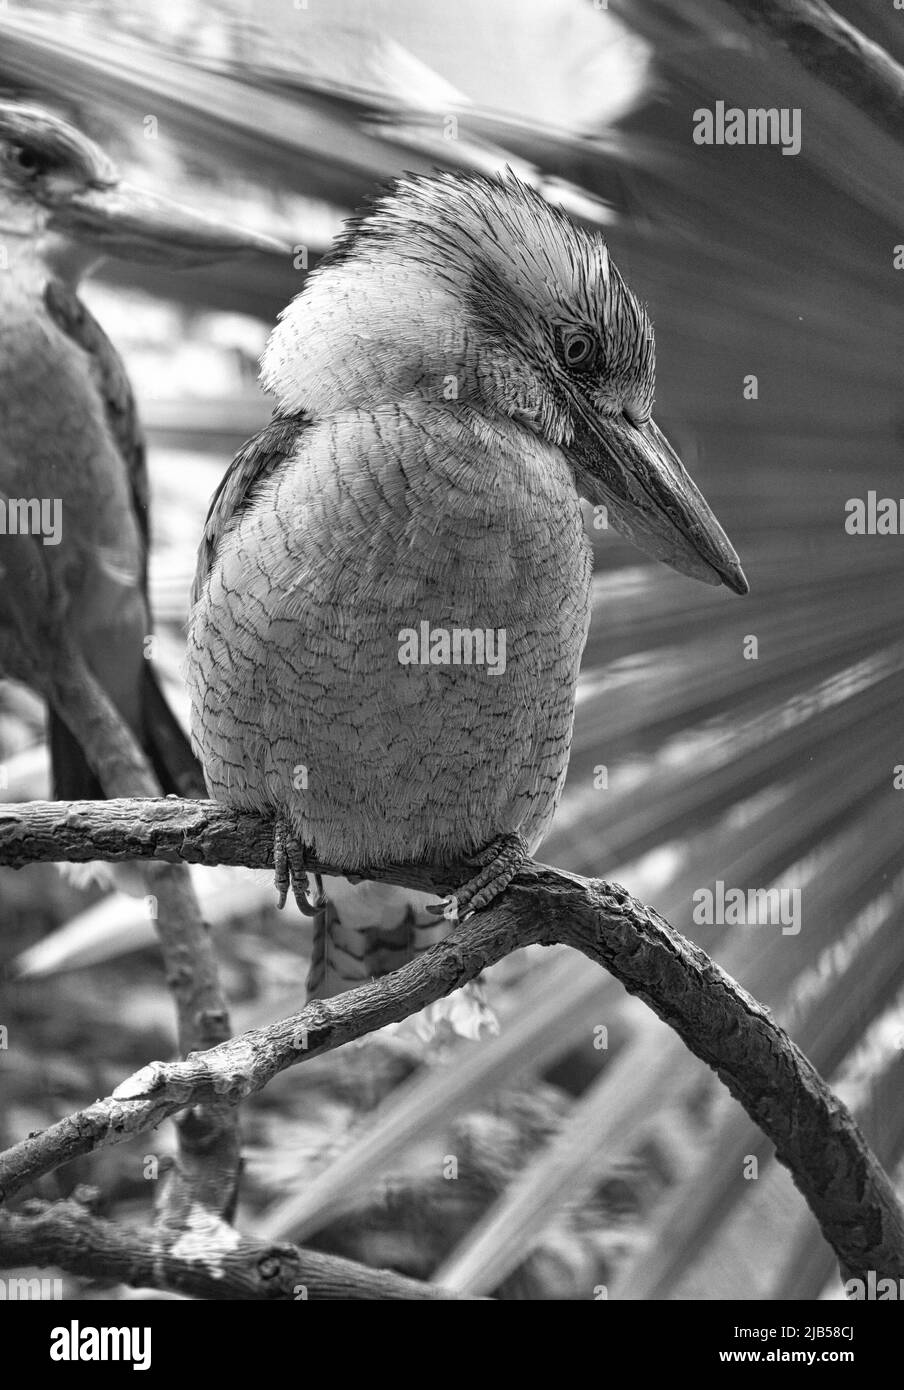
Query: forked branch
{"points": [[814, 1134]]}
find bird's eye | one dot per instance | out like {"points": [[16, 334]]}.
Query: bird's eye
{"points": [[23, 159], [578, 349]]}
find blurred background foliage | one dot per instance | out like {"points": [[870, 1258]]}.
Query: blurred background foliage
{"points": [[581, 1146]]}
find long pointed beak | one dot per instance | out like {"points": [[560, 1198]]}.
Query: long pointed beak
{"points": [[120, 220], [651, 498]]}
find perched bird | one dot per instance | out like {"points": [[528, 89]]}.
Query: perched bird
{"points": [[73, 484], [462, 368]]}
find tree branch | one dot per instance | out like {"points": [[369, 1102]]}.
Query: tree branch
{"points": [[215, 1263], [209, 1142], [815, 1135]]}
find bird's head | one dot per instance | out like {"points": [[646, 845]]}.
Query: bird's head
{"points": [[61, 194], [478, 291]]}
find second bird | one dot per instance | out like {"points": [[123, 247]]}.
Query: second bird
{"points": [[73, 481]]}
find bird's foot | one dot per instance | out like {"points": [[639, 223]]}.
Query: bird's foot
{"points": [[498, 864], [290, 865]]}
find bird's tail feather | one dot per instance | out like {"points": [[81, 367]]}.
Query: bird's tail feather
{"points": [[343, 957]]}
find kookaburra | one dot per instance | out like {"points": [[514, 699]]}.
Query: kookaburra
{"points": [[462, 368], [73, 485]]}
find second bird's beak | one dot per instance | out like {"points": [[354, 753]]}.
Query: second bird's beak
{"points": [[120, 220], [651, 499]]}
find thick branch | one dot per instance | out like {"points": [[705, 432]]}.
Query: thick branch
{"points": [[216, 1263], [838, 54], [814, 1134], [166, 828]]}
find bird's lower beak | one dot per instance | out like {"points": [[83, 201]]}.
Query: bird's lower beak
{"points": [[128, 222], [651, 499]]}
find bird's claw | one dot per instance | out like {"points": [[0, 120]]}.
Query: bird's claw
{"points": [[446, 907], [291, 870], [498, 863]]}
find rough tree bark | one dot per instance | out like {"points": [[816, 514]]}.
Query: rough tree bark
{"points": [[814, 1134]]}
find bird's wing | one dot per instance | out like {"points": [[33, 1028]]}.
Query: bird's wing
{"points": [[72, 318], [253, 463], [146, 708]]}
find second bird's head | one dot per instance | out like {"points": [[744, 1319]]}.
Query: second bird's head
{"points": [[63, 198], [478, 290]]}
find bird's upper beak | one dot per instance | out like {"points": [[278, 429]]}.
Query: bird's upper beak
{"points": [[117, 219], [650, 497]]}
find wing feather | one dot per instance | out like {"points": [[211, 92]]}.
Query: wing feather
{"points": [[252, 465], [72, 318]]}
